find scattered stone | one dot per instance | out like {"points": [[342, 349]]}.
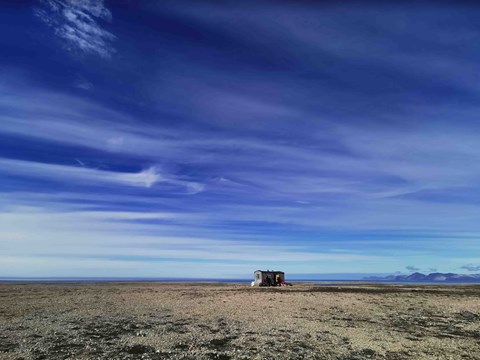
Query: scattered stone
{"points": [[6, 346], [130, 321], [139, 349], [468, 315]]}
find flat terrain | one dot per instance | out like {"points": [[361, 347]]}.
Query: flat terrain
{"points": [[235, 321]]}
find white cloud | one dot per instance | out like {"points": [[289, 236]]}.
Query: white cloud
{"points": [[64, 173], [52, 266], [145, 178], [419, 160], [77, 23], [82, 83], [115, 142], [37, 230], [40, 232]]}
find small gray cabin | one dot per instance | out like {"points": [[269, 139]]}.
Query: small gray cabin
{"points": [[268, 278]]}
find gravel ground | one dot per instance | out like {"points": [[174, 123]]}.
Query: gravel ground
{"points": [[235, 321]]}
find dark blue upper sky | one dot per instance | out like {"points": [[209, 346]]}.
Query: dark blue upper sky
{"points": [[142, 138]]}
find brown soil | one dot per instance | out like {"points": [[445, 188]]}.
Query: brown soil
{"points": [[235, 321]]}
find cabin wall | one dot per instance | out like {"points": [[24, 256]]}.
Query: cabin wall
{"points": [[262, 278], [259, 279]]}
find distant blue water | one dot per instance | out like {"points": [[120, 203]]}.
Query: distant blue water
{"points": [[134, 279]]}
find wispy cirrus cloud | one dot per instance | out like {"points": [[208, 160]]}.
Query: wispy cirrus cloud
{"points": [[308, 131], [82, 83], [343, 160], [77, 22], [107, 235], [61, 173]]}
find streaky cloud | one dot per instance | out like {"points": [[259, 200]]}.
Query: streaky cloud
{"points": [[55, 172], [307, 136], [77, 23]]}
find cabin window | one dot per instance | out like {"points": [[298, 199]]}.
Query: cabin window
{"points": [[258, 276]]}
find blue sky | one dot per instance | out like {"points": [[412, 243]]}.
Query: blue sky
{"points": [[210, 139]]}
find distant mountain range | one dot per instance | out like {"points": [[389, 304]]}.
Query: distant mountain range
{"points": [[433, 277]]}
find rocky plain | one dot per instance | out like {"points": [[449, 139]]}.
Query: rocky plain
{"points": [[235, 321]]}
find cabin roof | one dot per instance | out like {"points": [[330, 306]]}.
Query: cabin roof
{"points": [[270, 271]]}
